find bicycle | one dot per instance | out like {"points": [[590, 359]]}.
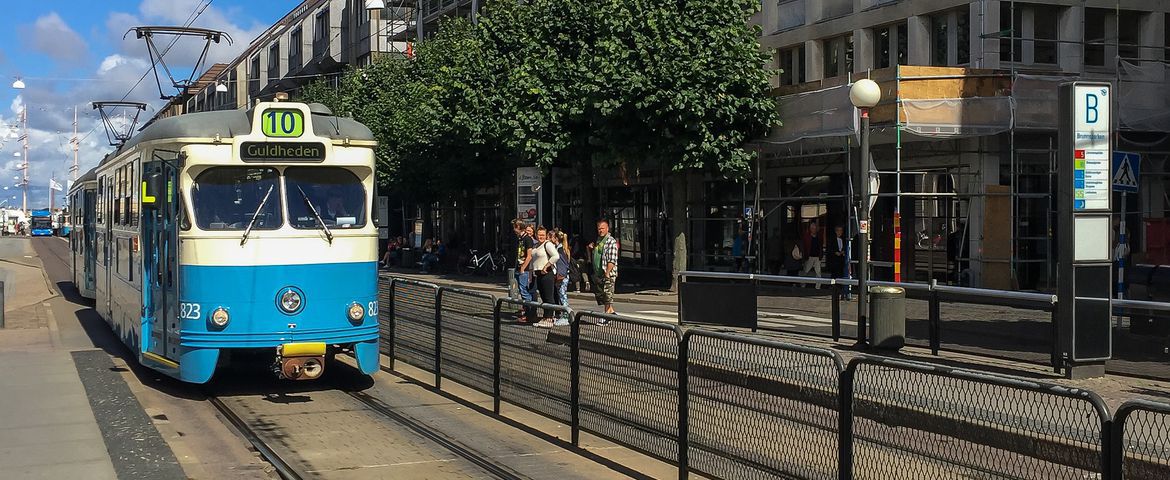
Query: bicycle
{"points": [[488, 263]]}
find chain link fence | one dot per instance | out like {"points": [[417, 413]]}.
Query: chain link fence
{"points": [[735, 405], [1142, 441]]}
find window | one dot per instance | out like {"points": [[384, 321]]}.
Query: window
{"points": [[790, 14], [1129, 28], [254, 68], [101, 198], [295, 47], [791, 63], [134, 183], [274, 61], [321, 25], [117, 197], [835, 8], [335, 193], [838, 55], [1030, 33], [938, 40], [227, 198], [890, 45]]}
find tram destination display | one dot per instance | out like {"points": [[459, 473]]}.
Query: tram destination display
{"points": [[282, 151]]}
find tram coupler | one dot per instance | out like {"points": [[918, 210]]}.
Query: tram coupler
{"points": [[300, 361]]}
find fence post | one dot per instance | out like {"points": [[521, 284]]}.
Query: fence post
{"points": [[1055, 360], [496, 356], [575, 377], [836, 289], [1112, 446], [439, 339], [684, 467], [1, 304], [393, 321], [935, 319], [845, 423]]}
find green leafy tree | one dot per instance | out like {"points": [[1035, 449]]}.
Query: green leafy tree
{"points": [[678, 85], [432, 115]]}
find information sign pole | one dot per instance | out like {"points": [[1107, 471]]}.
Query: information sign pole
{"points": [[1085, 333]]}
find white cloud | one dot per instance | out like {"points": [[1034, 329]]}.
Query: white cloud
{"points": [[51, 102], [51, 36]]}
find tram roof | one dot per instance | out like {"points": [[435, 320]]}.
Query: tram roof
{"points": [[229, 123]]}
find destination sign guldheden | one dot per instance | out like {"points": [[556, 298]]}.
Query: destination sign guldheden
{"points": [[282, 151]]}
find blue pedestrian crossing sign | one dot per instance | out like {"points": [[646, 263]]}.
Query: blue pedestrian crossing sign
{"points": [[1126, 166]]}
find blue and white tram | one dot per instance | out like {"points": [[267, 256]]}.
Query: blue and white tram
{"points": [[240, 230], [82, 197]]}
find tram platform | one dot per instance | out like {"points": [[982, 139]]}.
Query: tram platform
{"points": [[73, 406]]}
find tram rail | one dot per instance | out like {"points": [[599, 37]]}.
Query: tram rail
{"points": [[283, 468]]}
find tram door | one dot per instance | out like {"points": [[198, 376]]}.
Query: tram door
{"points": [[89, 234], [159, 247]]}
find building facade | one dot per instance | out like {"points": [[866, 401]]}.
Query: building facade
{"points": [[965, 137]]}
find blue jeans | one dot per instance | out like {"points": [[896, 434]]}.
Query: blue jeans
{"points": [[523, 280], [563, 294]]}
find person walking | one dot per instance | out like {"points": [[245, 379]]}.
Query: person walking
{"points": [[816, 248], [605, 271], [738, 244], [564, 267], [544, 266]]}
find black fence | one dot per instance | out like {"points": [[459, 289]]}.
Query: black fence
{"points": [[732, 405], [1018, 325]]}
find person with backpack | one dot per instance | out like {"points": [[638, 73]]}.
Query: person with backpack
{"points": [[564, 267]]}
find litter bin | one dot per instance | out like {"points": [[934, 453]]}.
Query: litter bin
{"points": [[887, 313]]}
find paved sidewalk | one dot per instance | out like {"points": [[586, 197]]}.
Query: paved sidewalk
{"points": [[54, 423]]}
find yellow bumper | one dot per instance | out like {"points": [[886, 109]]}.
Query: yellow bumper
{"points": [[308, 349]]}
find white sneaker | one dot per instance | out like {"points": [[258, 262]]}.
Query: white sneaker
{"points": [[546, 323], [561, 322]]}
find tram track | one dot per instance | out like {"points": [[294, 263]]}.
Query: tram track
{"points": [[471, 455], [283, 468]]}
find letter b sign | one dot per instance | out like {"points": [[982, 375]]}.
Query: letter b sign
{"points": [[1091, 102]]}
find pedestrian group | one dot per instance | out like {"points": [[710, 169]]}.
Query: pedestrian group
{"points": [[543, 264]]}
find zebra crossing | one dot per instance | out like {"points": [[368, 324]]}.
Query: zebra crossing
{"points": [[772, 319]]}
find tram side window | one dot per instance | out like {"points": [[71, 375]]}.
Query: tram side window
{"points": [[335, 193], [127, 175], [118, 196], [101, 198], [227, 198], [134, 183]]}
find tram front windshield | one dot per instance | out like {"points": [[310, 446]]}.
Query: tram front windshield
{"points": [[41, 222], [226, 198], [335, 193]]}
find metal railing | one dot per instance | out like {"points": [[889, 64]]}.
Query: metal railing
{"points": [[934, 294], [737, 405]]}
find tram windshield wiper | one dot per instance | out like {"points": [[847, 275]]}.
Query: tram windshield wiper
{"points": [[313, 209], [255, 215]]}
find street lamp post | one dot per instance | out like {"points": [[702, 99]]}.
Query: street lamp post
{"points": [[864, 94]]}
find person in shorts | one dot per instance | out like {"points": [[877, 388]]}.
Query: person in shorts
{"points": [[604, 258]]}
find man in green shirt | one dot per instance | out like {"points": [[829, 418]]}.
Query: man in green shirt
{"points": [[604, 259]]}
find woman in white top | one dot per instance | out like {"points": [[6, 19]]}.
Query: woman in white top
{"points": [[544, 264]]}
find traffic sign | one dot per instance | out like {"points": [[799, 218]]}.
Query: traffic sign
{"points": [[1126, 168]]}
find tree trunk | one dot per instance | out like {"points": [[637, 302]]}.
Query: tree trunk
{"points": [[678, 221]]}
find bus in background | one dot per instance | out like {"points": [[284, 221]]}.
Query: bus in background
{"points": [[41, 224]]}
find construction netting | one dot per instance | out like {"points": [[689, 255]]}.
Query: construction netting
{"points": [[1142, 102], [1143, 97], [816, 114], [957, 117]]}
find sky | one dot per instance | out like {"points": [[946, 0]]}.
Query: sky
{"points": [[71, 52]]}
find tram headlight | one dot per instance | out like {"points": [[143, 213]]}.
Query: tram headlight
{"points": [[356, 312], [290, 301], [220, 317]]}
